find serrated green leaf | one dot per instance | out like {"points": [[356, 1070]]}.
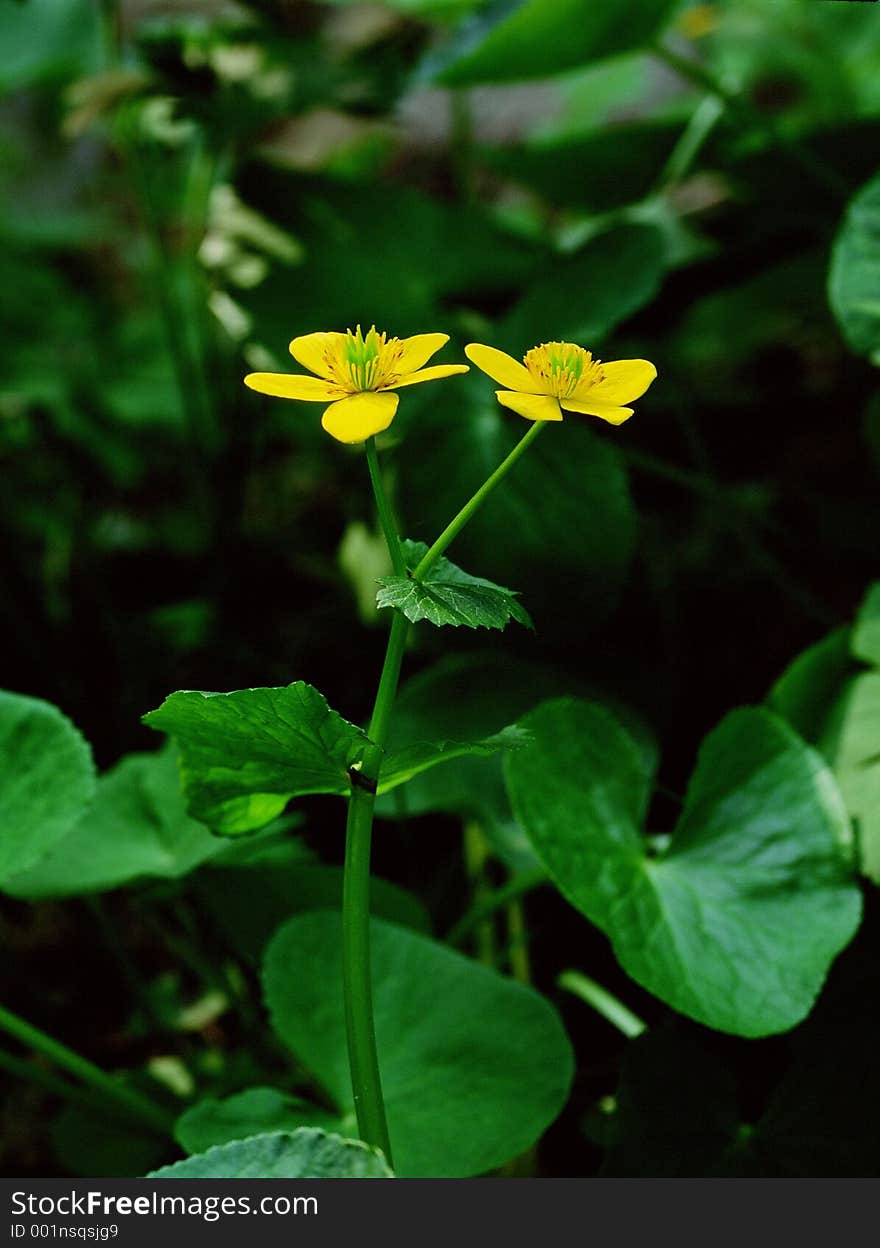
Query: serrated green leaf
{"points": [[532, 39], [736, 923], [256, 1111], [47, 779], [244, 755], [854, 276], [307, 1153], [474, 1067], [449, 595], [136, 827]]}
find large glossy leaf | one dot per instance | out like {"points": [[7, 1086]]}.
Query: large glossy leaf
{"points": [[854, 277], [534, 38], [47, 779], [307, 1153], [449, 595], [474, 1067], [736, 922], [136, 827]]}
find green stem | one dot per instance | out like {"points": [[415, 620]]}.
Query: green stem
{"points": [[458, 522], [360, 1029], [82, 1068], [357, 982], [603, 1002], [494, 901], [383, 506]]}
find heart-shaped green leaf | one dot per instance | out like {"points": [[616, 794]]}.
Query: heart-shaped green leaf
{"points": [[736, 922], [474, 1067], [307, 1153], [47, 779]]}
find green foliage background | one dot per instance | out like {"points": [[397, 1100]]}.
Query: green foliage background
{"points": [[185, 187]]}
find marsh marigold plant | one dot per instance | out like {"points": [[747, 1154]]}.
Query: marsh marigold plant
{"points": [[357, 375]]}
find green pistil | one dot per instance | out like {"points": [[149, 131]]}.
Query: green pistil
{"points": [[361, 356]]}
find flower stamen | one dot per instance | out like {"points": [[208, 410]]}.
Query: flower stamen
{"points": [[560, 368]]}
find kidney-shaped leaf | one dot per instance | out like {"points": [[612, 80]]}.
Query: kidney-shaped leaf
{"points": [[136, 827], [307, 1153], [47, 778], [737, 921], [474, 1067]]}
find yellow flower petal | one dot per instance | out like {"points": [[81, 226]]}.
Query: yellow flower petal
{"points": [[502, 368], [532, 406], [359, 416], [625, 380], [605, 411], [429, 374], [417, 350], [293, 386], [310, 351]]}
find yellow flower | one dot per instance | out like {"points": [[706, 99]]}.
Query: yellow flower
{"points": [[356, 373], [560, 374]]}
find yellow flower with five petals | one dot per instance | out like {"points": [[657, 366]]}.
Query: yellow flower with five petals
{"points": [[559, 375], [356, 374]]}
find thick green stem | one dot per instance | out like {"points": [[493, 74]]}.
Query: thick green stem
{"points": [[458, 522], [82, 1068], [357, 984]]}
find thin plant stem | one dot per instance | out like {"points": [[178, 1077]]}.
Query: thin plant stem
{"points": [[457, 523], [603, 1002], [83, 1069], [516, 887], [386, 514]]}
